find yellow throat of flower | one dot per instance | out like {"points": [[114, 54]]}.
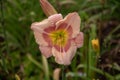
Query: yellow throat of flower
{"points": [[59, 37]]}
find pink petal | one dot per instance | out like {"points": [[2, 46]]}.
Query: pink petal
{"points": [[64, 57], [63, 27], [39, 28], [54, 18], [66, 47], [79, 40], [46, 37], [73, 20], [46, 51], [40, 39], [49, 29]]}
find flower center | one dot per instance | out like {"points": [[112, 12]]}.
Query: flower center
{"points": [[59, 37]]}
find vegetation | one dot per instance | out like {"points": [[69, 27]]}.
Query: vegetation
{"points": [[20, 58]]}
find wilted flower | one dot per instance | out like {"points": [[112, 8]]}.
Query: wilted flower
{"points": [[59, 37]]}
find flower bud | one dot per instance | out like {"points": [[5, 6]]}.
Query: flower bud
{"points": [[17, 77], [95, 44], [56, 74], [47, 8]]}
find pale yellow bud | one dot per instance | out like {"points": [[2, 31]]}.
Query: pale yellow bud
{"points": [[95, 44], [56, 74], [17, 77]]}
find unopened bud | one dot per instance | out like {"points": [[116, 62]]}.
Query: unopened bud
{"points": [[47, 8], [56, 74], [95, 44]]}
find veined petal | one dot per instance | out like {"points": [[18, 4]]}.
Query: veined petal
{"points": [[46, 51], [46, 37], [64, 57], [63, 27], [54, 18], [40, 39], [63, 49], [73, 20], [39, 28], [79, 40]]}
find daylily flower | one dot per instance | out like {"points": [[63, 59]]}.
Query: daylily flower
{"points": [[59, 37]]}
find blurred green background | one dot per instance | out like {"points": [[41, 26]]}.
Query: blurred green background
{"points": [[21, 58]]}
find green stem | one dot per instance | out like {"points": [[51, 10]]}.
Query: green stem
{"points": [[88, 59], [46, 67], [87, 55], [63, 73], [34, 61]]}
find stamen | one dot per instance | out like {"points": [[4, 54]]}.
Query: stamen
{"points": [[61, 51], [58, 37], [66, 27]]}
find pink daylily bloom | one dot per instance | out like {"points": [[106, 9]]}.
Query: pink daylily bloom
{"points": [[59, 37]]}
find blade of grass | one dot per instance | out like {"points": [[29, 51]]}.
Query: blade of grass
{"points": [[5, 36], [34, 61], [110, 77]]}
